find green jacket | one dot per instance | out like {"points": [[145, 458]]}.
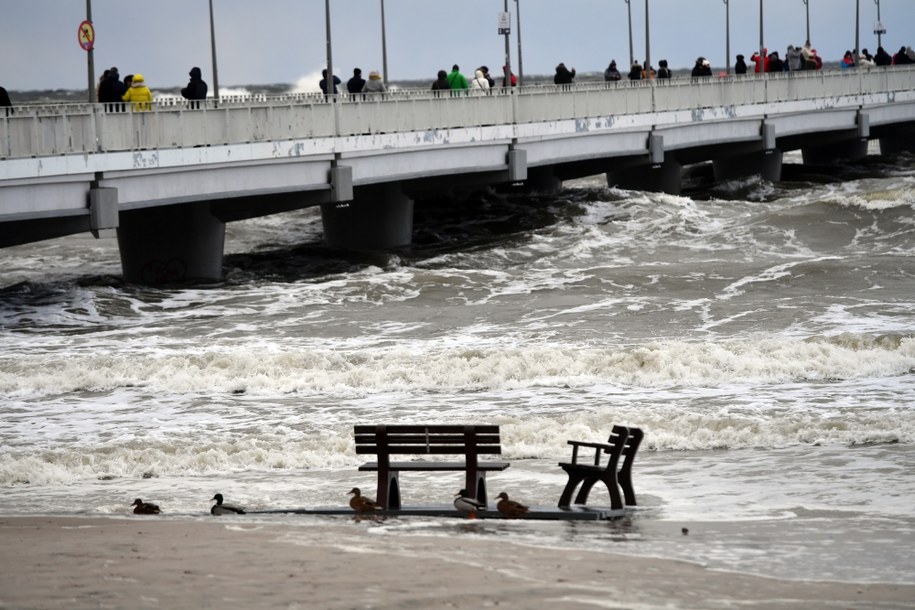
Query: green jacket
{"points": [[457, 80]]}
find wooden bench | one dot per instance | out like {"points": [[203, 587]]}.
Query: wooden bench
{"points": [[387, 441], [623, 443]]}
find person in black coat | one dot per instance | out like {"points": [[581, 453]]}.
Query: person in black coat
{"points": [[882, 58], [564, 76], [196, 89], [741, 66], [5, 98], [111, 88], [356, 83], [636, 72]]}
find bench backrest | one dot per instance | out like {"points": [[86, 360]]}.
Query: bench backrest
{"points": [[469, 441]]}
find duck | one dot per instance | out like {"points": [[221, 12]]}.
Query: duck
{"points": [[362, 504], [145, 508], [225, 509], [465, 504], [510, 508]]}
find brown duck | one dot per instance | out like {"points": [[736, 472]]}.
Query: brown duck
{"points": [[362, 504], [145, 508], [510, 508]]}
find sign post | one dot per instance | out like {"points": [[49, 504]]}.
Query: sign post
{"points": [[505, 29], [85, 34]]}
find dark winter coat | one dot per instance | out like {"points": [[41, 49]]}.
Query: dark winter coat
{"points": [[563, 76], [111, 89], [196, 89], [355, 84]]}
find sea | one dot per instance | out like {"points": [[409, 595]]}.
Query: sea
{"points": [[762, 335]]}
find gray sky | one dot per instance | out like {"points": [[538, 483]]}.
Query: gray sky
{"points": [[282, 41]]}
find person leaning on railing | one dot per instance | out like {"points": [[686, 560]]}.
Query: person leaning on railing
{"points": [[139, 95]]}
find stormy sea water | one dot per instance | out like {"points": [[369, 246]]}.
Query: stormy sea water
{"points": [[762, 335]]}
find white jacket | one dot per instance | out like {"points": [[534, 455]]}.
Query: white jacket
{"points": [[479, 81]]}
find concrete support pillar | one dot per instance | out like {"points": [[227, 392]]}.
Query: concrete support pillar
{"points": [[767, 163], [850, 150], [542, 180], [657, 177], [379, 217], [171, 244]]}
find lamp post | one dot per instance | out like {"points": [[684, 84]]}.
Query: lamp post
{"points": [[857, 32], [329, 79], [807, 5], [520, 64], [762, 47], [90, 59], [507, 70], [727, 35], [879, 27], [384, 48], [213, 53], [631, 54], [647, 45]]}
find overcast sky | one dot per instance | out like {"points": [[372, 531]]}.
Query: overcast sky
{"points": [[283, 41]]}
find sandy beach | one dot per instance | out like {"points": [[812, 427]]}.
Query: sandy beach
{"points": [[154, 562]]}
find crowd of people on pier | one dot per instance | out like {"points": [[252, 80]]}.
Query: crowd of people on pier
{"points": [[116, 93]]}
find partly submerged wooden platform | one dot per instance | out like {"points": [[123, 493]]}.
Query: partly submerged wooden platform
{"points": [[539, 513]]}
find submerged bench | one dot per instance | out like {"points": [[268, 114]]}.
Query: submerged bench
{"points": [[467, 441], [623, 443]]}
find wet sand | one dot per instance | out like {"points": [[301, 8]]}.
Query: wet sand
{"points": [[156, 562]]}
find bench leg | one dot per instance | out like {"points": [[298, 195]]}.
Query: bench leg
{"points": [[389, 490], [625, 480], [476, 481], [609, 479], [575, 477]]}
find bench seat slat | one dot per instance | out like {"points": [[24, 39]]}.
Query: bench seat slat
{"points": [[423, 439], [424, 450], [418, 429], [420, 466]]}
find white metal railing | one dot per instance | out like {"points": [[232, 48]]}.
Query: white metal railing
{"points": [[59, 129]]}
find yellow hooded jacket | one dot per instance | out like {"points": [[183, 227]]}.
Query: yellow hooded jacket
{"points": [[138, 94]]}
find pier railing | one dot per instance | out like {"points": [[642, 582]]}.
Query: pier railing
{"points": [[62, 129]]}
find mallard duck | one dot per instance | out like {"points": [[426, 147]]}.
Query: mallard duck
{"points": [[465, 504], [362, 504], [225, 509], [510, 508], [145, 508]]}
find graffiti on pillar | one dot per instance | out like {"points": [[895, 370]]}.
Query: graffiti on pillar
{"points": [[162, 272]]}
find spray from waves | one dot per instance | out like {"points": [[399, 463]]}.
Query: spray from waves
{"points": [[424, 368], [308, 83]]}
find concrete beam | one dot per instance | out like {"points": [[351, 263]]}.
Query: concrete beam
{"points": [[379, 217]]}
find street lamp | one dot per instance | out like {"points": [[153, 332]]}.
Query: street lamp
{"points": [[520, 65], [879, 27], [857, 32], [507, 70], [647, 45], [213, 52], [631, 54], [329, 79], [727, 35], [762, 48], [384, 48], [807, 5], [90, 59]]}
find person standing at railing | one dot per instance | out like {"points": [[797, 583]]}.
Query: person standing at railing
{"points": [[663, 70], [356, 83], [635, 73], [514, 79], [111, 90], [564, 76], [441, 83], [740, 66], [882, 58], [793, 59], [479, 82], [456, 80], [196, 89], [374, 84], [322, 84], [611, 74], [138, 95]]}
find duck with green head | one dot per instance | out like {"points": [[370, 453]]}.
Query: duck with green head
{"points": [[465, 504]]}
